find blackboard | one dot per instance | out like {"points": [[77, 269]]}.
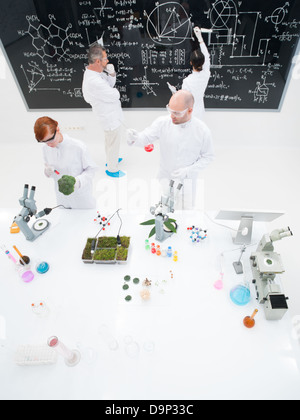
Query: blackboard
{"points": [[252, 45]]}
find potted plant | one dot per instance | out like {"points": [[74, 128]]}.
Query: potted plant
{"points": [[170, 225]]}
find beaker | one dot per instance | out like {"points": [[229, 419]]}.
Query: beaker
{"points": [[72, 358], [240, 294]]}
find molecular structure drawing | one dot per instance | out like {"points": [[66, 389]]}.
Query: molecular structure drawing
{"points": [[50, 42]]}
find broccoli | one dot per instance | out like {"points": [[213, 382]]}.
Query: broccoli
{"points": [[66, 184]]}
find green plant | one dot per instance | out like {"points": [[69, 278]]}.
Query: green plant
{"points": [[168, 224], [107, 242], [122, 254], [87, 255], [125, 241], [105, 254], [66, 184]]}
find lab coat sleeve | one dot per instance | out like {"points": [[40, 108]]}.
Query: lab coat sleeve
{"points": [[206, 156], [111, 80], [89, 169], [151, 134], [206, 66]]}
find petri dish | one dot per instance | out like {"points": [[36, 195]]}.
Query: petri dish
{"points": [[42, 267]]}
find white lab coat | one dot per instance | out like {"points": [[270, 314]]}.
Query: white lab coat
{"points": [[197, 82], [71, 158], [99, 91], [186, 145]]}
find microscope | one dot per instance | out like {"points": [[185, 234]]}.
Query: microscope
{"points": [[265, 265], [29, 209], [166, 205]]}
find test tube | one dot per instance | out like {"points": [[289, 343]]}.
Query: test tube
{"points": [[72, 357]]}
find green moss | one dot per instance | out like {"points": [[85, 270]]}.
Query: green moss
{"points": [[107, 242], [86, 255], [105, 254], [125, 241], [122, 254]]}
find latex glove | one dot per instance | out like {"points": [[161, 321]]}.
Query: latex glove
{"points": [[49, 170], [132, 136], [172, 88], [77, 184], [198, 34], [110, 69]]}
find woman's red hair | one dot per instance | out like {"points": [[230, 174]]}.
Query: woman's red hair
{"points": [[43, 126]]}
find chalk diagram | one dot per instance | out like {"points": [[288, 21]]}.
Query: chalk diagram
{"points": [[34, 75], [169, 24], [278, 16], [262, 90], [50, 42], [100, 11], [225, 21], [145, 83]]}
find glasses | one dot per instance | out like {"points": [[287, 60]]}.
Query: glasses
{"points": [[176, 113], [49, 140]]}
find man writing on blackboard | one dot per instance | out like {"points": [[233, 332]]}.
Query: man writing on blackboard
{"points": [[99, 91], [185, 145]]}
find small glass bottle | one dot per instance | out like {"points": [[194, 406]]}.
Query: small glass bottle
{"points": [[158, 251], [169, 251], [147, 245], [175, 257]]}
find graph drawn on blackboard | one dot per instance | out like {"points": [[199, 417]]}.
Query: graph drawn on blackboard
{"points": [[169, 24]]}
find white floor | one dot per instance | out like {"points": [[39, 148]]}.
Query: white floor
{"points": [[258, 179]]}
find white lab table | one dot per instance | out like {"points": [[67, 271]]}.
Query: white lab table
{"points": [[187, 342]]}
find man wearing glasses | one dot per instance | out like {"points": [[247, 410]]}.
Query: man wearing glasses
{"points": [[99, 91], [64, 155], [185, 144]]}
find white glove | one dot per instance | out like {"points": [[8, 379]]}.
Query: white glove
{"points": [[132, 137], [77, 184], [48, 171], [198, 34], [110, 69], [172, 88]]}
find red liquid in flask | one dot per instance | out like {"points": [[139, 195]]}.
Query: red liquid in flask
{"points": [[149, 148]]}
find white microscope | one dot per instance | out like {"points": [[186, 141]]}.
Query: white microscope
{"points": [[265, 264], [29, 209], [164, 226]]}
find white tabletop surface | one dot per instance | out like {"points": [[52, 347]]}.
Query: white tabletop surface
{"points": [[188, 342]]}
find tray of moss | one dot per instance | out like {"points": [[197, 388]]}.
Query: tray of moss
{"points": [[107, 242], [122, 255], [87, 257], [105, 256]]}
